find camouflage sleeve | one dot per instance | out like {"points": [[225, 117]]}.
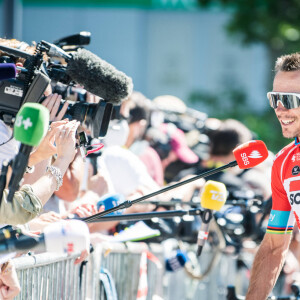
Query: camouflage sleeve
{"points": [[24, 207]]}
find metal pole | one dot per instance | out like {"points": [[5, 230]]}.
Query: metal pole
{"points": [[149, 215], [12, 16], [170, 187]]}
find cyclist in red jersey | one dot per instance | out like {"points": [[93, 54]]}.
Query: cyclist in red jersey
{"points": [[285, 181]]}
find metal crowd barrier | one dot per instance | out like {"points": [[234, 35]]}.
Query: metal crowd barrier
{"points": [[49, 276], [123, 262]]}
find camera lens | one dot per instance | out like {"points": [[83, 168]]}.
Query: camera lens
{"points": [[95, 116]]}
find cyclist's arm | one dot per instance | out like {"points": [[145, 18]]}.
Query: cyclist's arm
{"points": [[267, 265]]}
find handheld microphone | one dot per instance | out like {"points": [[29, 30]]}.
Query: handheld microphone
{"points": [[176, 261], [7, 71], [110, 201], [70, 236], [30, 127], [213, 197], [248, 155]]}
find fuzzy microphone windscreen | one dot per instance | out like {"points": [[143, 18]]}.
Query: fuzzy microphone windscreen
{"points": [[99, 77]]}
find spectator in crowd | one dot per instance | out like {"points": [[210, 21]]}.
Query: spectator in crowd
{"points": [[170, 145], [175, 111], [139, 117], [223, 140], [126, 171]]}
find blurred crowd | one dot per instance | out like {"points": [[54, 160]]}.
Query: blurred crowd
{"points": [[150, 144]]}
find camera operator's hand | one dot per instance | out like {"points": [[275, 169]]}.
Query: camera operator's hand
{"points": [[51, 181], [46, 148], [83, 255], [50, 217], [84, 210], [52, 102], [9, 283], [65, 141], [40, 222]]}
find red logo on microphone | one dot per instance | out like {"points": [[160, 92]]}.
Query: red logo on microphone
{"points": [[70, 248], [250, 154], [255, 154]]}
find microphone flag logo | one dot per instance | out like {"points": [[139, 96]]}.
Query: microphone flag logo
{"points": [[255, 154], [213, 195]]}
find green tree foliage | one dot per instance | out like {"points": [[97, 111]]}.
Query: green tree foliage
{"points": [[276, 25]]}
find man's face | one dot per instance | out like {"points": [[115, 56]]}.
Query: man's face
{"points": [[288, 82]]}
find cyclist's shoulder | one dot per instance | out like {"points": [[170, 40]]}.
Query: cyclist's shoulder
{"points": [[286, 151]]}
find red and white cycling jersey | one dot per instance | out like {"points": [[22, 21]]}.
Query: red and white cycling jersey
{"points": [[285, 190]]}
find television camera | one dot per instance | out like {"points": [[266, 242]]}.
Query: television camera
{"points": [[64, 68]]}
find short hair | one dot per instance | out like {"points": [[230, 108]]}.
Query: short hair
{"points": [[287, 63], [230, 134], [140, 107], [16, 44], [13, 43]]}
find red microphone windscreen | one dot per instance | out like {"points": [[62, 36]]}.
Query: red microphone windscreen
{"points": [[7, 71], [250, 154]]}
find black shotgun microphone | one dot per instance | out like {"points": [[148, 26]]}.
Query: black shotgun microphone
{"points": [[95, 74], [99, 77]]}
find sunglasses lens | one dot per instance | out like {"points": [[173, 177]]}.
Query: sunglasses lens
{"points": [[273, 100], [289, 101]]}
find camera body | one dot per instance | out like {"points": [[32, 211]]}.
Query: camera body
{"points": [[32, 81], [13, 94]]}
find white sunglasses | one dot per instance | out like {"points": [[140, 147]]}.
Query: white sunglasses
{"points": [[288, 100]]}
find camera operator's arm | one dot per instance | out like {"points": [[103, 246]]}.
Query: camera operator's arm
{"points": [[43, 220], [28, 201], [65, 146], [39, 157], [24, 206], [46, 149], [267, 265], [72, 180]]}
